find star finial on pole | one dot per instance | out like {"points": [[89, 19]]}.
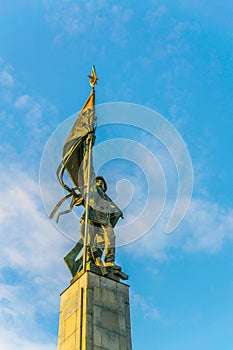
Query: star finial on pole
{"points": [[93, 77]]}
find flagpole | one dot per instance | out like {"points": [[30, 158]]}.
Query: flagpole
{"points": [[87, 207], [93, 82]]}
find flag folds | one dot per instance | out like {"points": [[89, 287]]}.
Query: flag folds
{"points": [[77, 162], [77, 146]]}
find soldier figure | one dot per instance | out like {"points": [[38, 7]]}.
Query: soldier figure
{"points": [[103, 215]]}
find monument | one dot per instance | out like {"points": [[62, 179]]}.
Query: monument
{"points": [[94, 309]]}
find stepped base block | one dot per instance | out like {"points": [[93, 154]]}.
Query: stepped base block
{"points": [[95, 315]]}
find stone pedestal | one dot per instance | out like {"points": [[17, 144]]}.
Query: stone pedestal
{"points": [[95, 315]]}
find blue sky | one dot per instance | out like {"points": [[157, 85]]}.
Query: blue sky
{"points": [[173, 57]]}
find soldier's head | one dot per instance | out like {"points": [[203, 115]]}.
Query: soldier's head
{"points": [[100, 181]]}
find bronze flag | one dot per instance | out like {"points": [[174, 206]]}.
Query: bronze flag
{"points": [[76, 158], [77, 145]]}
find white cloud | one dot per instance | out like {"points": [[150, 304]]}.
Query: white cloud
{"points": [[206, 227], [140, 304], [9, 341], [22, 101], [75, 20], [6, 79], [154, 17], [33, 110], [7, 83], [25, 117], [32, 272], [30, 236], [180, 28]]}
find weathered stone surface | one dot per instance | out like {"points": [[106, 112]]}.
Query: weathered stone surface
{"points": [[110, 321], [95, 315], [97, 336], [110, 340]]}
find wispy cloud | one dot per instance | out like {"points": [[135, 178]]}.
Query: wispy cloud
{"points": [[33, 110], [6, 79], [155, 16], [139, 303], [27, 240], [206, 227], [22, 101], [7, 82], [74, 20], [9, 341], [23, 116], [31, 251]]}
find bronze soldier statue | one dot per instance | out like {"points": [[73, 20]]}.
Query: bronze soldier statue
{"points": [[103, 215]]}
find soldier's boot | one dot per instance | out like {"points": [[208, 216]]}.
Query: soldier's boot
{"points": [[112, 265], [110, 258]]}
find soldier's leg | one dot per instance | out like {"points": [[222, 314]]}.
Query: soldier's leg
{"points": [[99, 241], [93, 247], [109, 243]]}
